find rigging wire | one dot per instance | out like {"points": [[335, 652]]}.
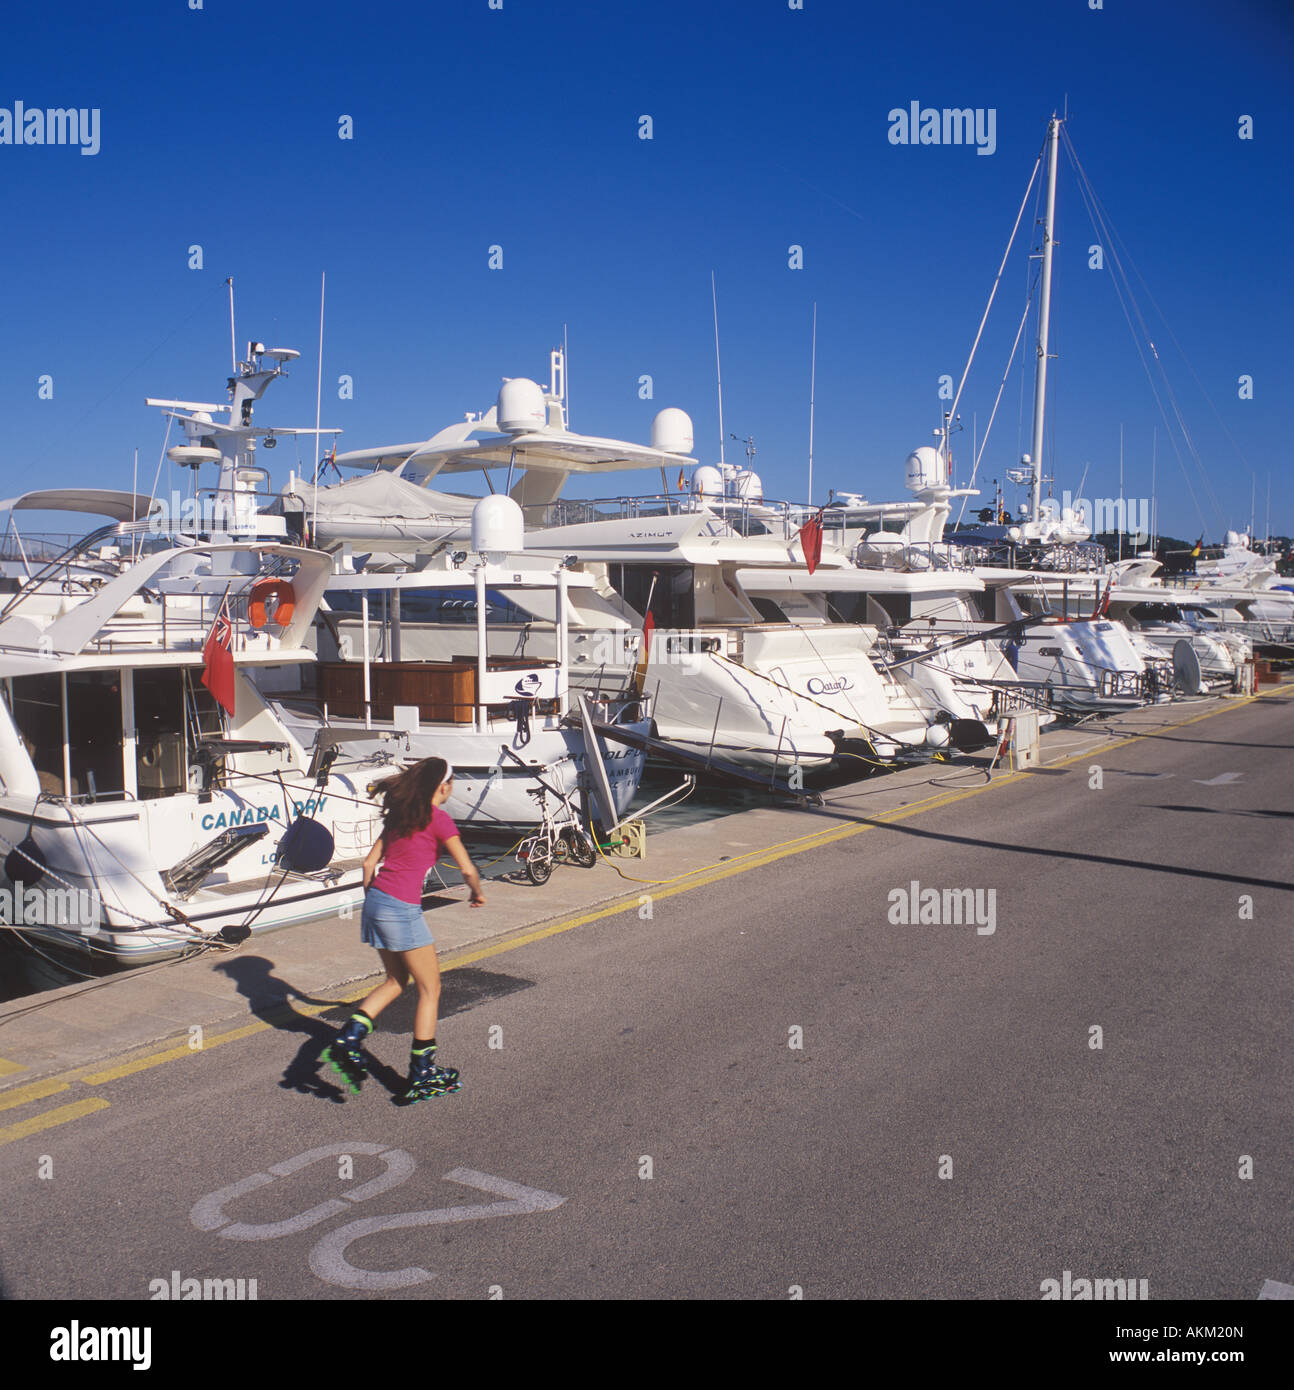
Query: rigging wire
{"points": [[1123, 292]]}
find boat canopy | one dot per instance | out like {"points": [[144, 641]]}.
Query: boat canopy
{"points": [[117, 506]]}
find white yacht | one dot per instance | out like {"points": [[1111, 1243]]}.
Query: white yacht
{"points": [[140, 816], [726, 677]]}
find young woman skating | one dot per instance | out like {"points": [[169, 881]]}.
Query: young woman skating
{"points": [[414, 831]]}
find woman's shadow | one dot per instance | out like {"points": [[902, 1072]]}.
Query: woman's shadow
{"points": [[271, 998]]}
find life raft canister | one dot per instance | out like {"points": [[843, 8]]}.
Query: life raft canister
{"points": [[264, 589]]}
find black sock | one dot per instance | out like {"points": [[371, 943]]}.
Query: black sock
{"points": [[423, 1045]]}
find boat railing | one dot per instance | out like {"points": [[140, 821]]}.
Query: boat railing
{"points": [[918, 556], [746, 516], [1068, 557], [36, 546]]}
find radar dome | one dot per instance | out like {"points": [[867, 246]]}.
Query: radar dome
{"points": [[707, 481], [671, 431], [748, 485], [926, 468], [497, 526], [521, 406]]}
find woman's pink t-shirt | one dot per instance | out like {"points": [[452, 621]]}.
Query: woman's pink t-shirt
{"points": [[406, 861]]}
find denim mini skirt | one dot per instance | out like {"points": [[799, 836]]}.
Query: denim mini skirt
{"points": [[393, 925]]}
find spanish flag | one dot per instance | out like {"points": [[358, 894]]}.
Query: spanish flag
{"points": [[1199, 545]]}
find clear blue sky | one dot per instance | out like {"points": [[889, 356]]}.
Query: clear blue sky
{"points": [[520, 127]]}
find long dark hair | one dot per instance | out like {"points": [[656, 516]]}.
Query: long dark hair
{"points": [[406, 798]]}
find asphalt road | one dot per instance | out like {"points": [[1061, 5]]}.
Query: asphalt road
{"points": [[947, 1129]]}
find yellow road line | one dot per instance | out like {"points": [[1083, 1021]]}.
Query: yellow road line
{"points": [[50, 1118], [8, 1068], [38, 1090], [171, 1054]]}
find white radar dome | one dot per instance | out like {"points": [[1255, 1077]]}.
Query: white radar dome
{"points": [[748, 485], [707, 481], [521, 406], [926, 468], [498, 526], [671, 431]]}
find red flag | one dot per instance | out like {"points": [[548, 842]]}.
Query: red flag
{"points": [[218, 658], [810, 538]]}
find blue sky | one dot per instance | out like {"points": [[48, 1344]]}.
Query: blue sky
{"points": [[520, 127]]}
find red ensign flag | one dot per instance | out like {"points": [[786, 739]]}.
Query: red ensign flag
{"points": [[218, 659], [810, 537]]}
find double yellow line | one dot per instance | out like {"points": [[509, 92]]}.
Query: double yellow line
{"points": [[100, 1074]]}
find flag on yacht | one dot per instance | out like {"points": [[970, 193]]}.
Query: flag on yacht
{"points": [[810, 538], [218, 658]]}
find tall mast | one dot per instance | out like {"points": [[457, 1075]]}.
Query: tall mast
{"points": [[718, 371], [813, 373], [1044, 314]]}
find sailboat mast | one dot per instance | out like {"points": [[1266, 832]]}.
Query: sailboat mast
{"points": [[1044, 315]]}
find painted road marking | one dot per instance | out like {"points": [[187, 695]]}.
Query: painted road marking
{"points": [[208, 1212], [50, 1118], [696, 878], [170, 1054], [1224, 779], [328, 1258], [1271, 1289], [8, 1068], [38, 1090]]}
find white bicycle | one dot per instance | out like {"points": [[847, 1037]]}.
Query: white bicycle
{"points": [[560, 839]]}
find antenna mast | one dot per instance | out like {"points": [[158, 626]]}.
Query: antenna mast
{"points": [[1044, 315], [813, 373], [233, 350], [717, 370], [323, 276]]}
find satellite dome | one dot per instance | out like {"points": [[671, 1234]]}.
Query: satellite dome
{"points": [[521, 407], [498, 526], [671, 431], [707, 481]]}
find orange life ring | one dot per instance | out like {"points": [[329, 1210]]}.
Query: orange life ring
{"points": [[263, 589]]}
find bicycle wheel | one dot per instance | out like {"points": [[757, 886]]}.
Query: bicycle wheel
{"points": [[539, 863], [579, 847]]}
